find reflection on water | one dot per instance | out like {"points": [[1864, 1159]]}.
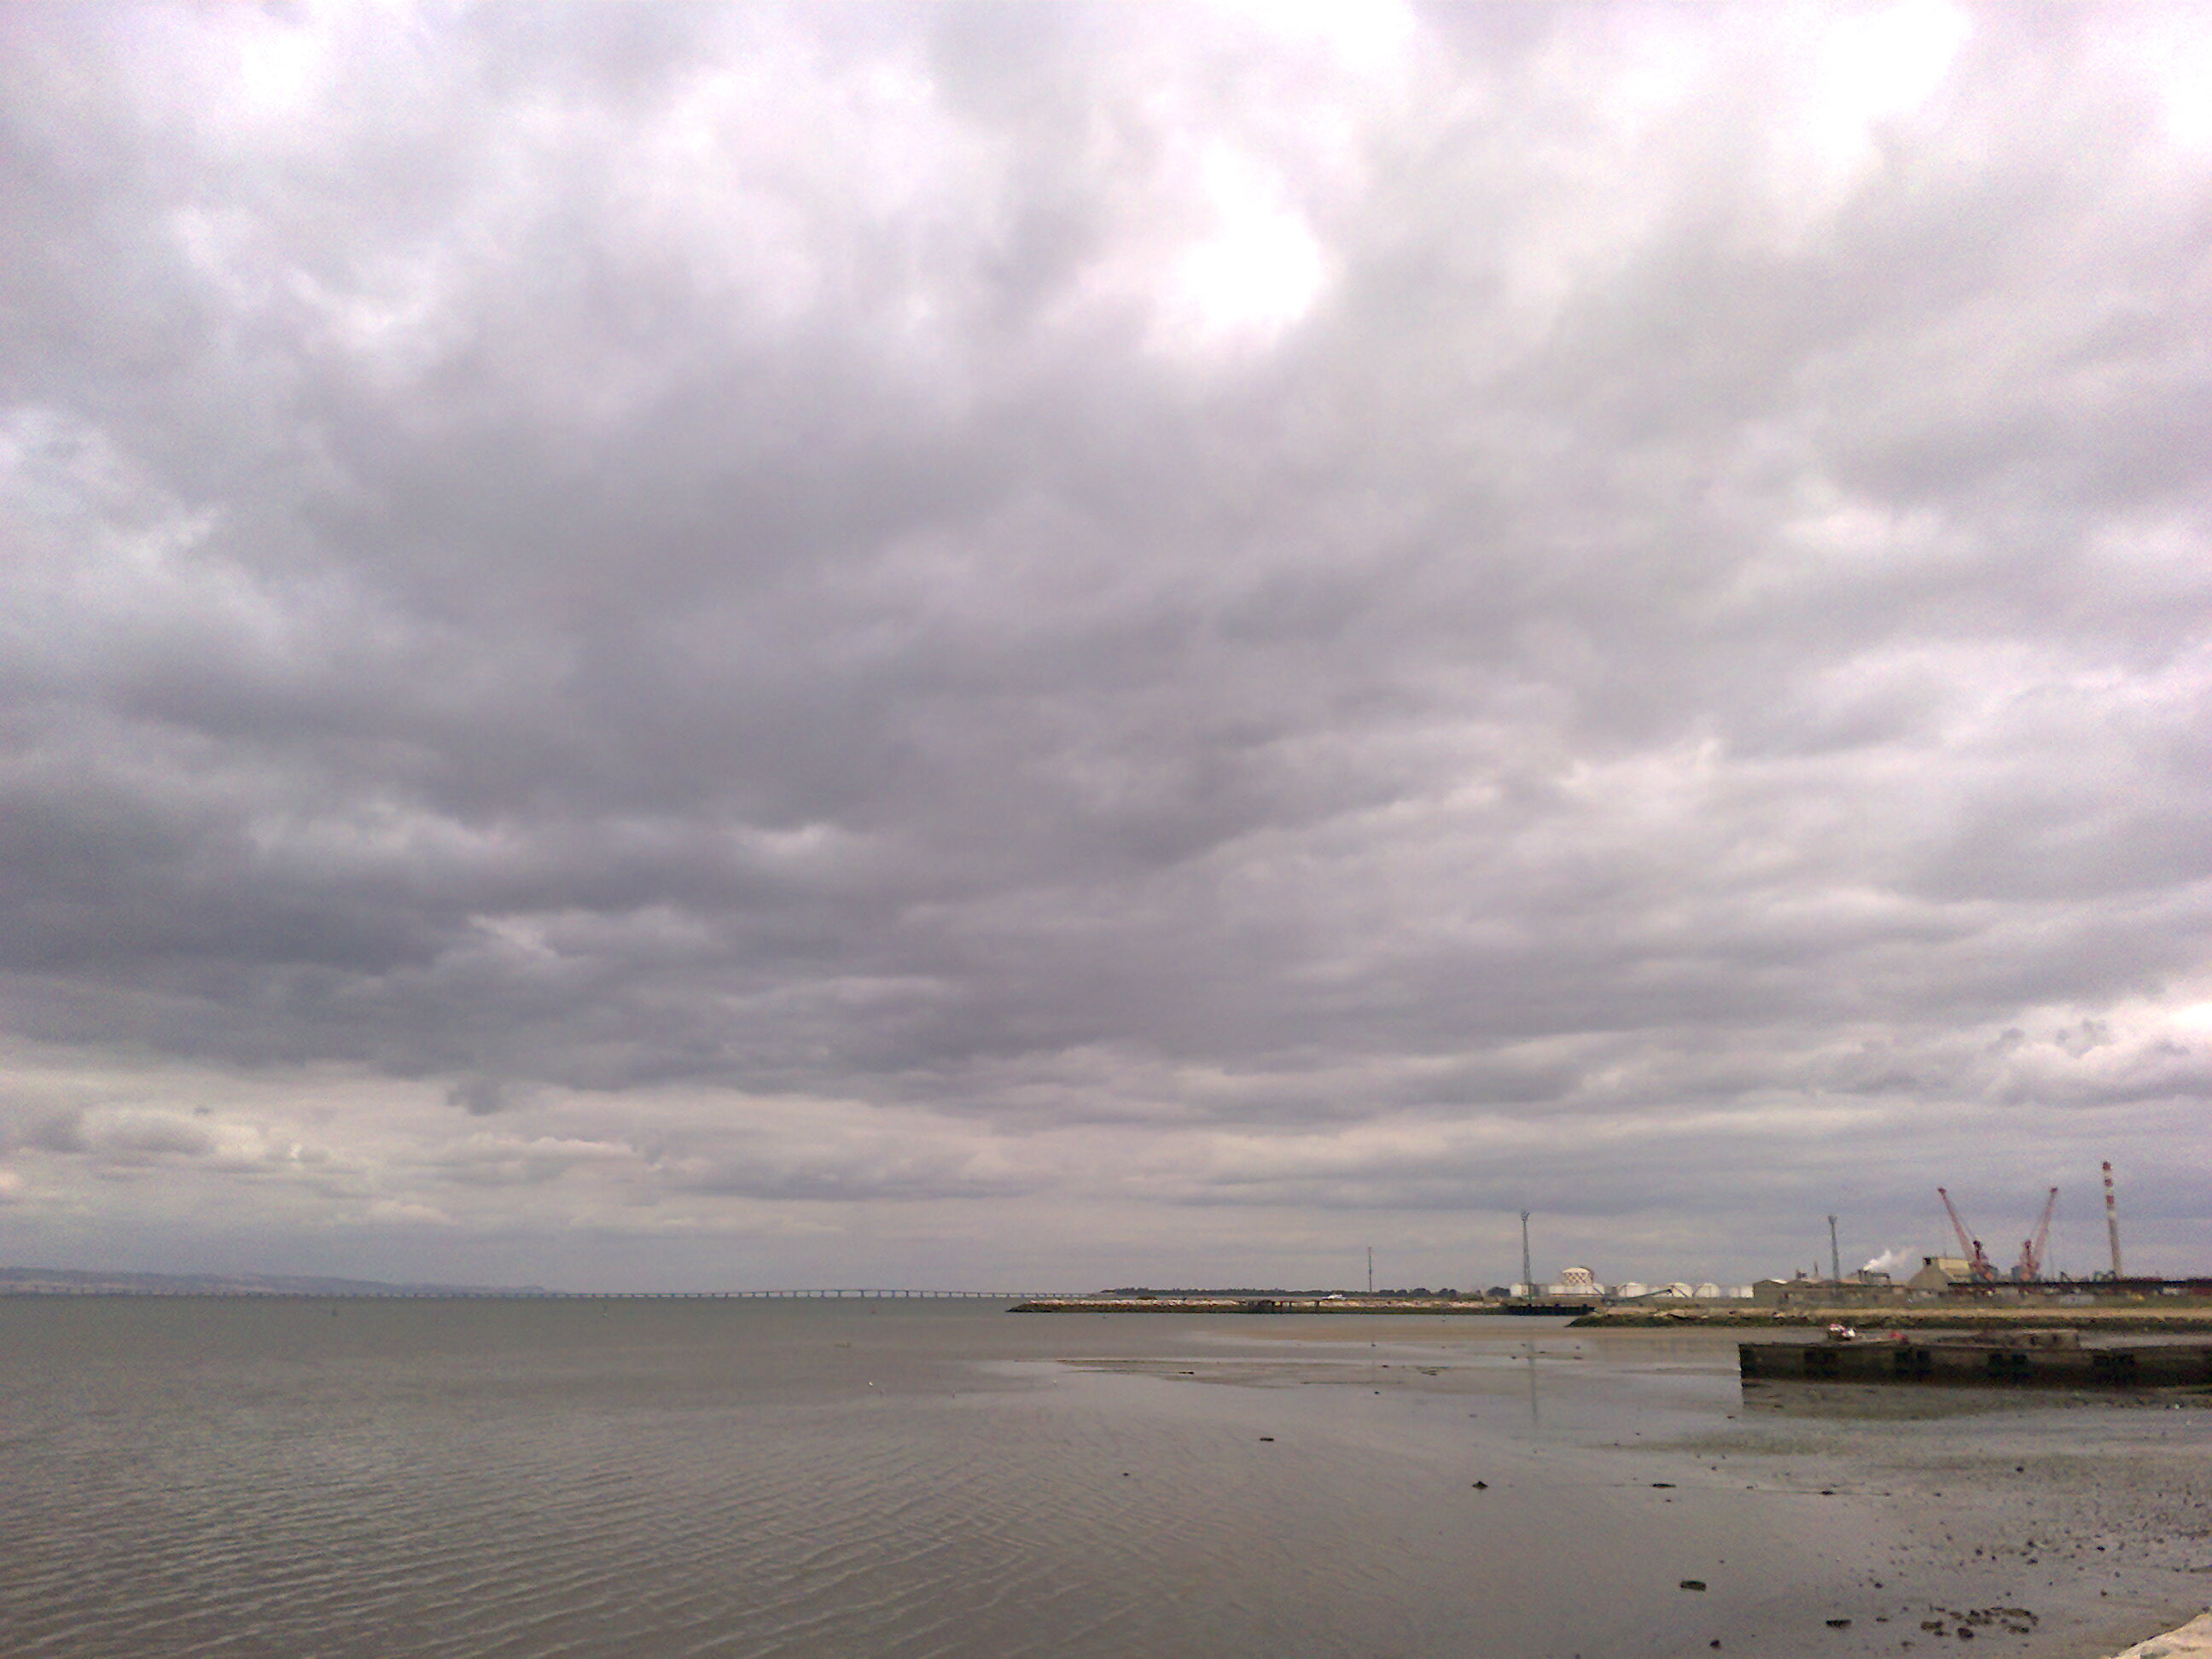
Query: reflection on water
{"points": [[641, 1480]]}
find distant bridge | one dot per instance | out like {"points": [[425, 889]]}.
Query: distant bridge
{"points": [[816, 1294], [430, 1293]]}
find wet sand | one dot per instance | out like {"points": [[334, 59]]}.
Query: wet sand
{"points": [[1869, 1522]]}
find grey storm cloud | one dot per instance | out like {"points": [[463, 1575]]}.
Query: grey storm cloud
{"points": [[1123, 573]]}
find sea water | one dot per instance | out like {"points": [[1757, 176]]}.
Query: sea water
{"points": [[642, 1479]]}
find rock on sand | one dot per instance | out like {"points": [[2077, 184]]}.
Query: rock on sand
{"points": [[2192, 1641]]}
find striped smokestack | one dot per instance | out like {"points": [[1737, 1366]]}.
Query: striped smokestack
{"points": [[2112, 1222]]}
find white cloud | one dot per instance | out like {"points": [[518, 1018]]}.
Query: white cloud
{"points": [[1255, 271]]}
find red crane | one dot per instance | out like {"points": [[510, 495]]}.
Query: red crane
{"points": [[2030, 1266], [1978, 1265]]}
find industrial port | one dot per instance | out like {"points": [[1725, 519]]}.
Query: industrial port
{"points": [[1966, 1290]]}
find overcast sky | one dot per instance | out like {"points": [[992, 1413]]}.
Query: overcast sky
{"points": [[1048, 646]]}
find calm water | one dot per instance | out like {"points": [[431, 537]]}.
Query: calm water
{"points": [[637, 1479]]}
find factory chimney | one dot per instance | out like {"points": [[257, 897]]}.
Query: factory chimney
{"points": [[2112, 1221]]}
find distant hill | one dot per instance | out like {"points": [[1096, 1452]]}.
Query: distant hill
{"points": [[69, 1281]]}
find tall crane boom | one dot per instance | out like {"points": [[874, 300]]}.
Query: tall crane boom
{"points": [[1978, 1265], [2031, 1249]]}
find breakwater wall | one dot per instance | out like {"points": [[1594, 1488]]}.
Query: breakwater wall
{"points": [[1987, 1359]]}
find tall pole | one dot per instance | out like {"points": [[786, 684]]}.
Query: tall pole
{"points": [[1528, 1274], [1835, 1255], [1371, 1270], [2112, 1222]]}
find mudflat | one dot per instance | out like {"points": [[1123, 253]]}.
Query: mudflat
{"points": [[636, 1480]]}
